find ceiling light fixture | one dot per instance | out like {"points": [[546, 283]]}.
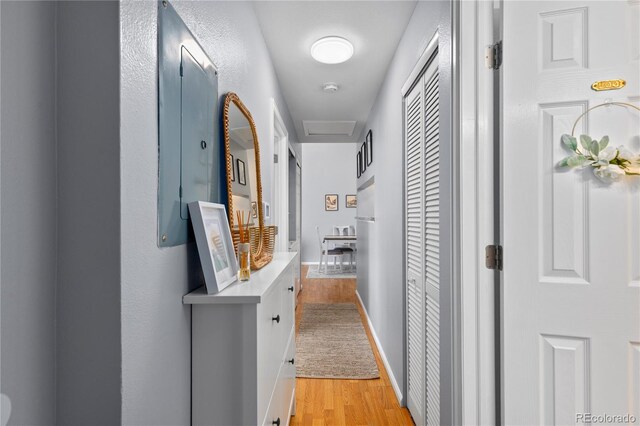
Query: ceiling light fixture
{"points": [[330, 87], [332, 50]]}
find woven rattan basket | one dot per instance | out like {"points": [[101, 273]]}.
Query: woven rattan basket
{"points": [[268, 244]]}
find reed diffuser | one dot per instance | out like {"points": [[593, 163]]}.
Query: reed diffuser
{"points": [[244, 247]]}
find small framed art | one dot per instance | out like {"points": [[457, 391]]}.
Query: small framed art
{"points": [[351, 201], [363, 154], [369, 147], [215, 245], [331, 202], [359, 164], [254, 209], [242, 174]]}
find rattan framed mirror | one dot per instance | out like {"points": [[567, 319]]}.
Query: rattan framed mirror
{"points": [[244, 183]]}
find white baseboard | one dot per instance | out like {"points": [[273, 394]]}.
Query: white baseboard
{"points": [[387, 367]]}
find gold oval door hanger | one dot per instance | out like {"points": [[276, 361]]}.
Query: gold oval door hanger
{"points": [[608, 85]]}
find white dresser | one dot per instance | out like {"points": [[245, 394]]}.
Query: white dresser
{"points": [[243, 349]]}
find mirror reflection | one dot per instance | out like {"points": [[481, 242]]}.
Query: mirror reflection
{"points": [[244, 182]]}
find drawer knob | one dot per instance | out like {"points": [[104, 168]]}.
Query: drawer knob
{"points": [[291, 361], [276, 319], [291, 289], [276, 422]]}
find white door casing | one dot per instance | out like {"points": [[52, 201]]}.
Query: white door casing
{"points": [[477, 212], [571, 288], [280, 208]]}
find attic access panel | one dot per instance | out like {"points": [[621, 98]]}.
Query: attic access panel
{"points": [[188, 142]]}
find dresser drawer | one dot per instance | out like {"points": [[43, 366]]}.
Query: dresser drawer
{"points": [[282, 402], [287, 291], [269, 346], [287, 377]]}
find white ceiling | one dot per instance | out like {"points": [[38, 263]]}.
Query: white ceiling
{"points": [[291, 27]]}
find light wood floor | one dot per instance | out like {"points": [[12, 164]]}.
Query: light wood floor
{"points": [[344, 402]]}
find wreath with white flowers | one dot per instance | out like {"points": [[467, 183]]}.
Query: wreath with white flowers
{"points": [[609, 164]]}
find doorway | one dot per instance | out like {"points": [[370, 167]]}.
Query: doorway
{"points": [[280, 208]]}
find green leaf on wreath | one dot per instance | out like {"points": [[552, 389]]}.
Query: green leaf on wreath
{"points": [[594, 148], [585, 141], [570, 142], [576, 161], [604, 142]]}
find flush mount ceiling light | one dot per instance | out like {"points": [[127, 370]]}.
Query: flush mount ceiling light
{"points": [[332, 50]]}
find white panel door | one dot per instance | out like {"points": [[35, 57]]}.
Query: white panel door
{"points": [[571, 289]]}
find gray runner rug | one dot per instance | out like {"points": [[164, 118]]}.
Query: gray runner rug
{"points": [[332, 344]]}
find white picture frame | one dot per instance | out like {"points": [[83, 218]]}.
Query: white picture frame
{"points": [[215, 245]]}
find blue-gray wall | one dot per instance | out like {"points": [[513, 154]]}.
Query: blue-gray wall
{"points": [[88, 156], [28, 210], [384, 292], [92, 321], [156, 327]]}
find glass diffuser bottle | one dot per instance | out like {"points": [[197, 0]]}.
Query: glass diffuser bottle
{"points": [[244, 261], [244, 247]]}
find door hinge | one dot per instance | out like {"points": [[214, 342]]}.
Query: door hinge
{"points": [[180, 191], [275, 158], [181, 70], [493, 56], [493, 257]]}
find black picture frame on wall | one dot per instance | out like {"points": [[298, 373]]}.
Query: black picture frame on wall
{"points": [[242, 175], [359, 164], [363, 154], [369, 143]]}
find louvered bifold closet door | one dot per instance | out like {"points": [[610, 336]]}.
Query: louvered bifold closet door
{"points": [[432, 240], [414, 184], [422, 169]]}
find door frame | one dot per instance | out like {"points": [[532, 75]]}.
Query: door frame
{"points": [[479, 137], [280, 141]]}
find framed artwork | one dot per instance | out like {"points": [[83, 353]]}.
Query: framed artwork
{"points": [[242, 174], [266, 210], [351, 201], [254, 209], [363, 154], [359, 164], [331, 202], [233, 168], [215, 245], [369, 147]]}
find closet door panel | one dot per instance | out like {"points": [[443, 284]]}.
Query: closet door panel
{"points": [[422, 197], [432, 241], [414, 139]]}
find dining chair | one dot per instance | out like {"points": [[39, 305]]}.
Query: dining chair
{"points": [[347, 248], [325, 252]]}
